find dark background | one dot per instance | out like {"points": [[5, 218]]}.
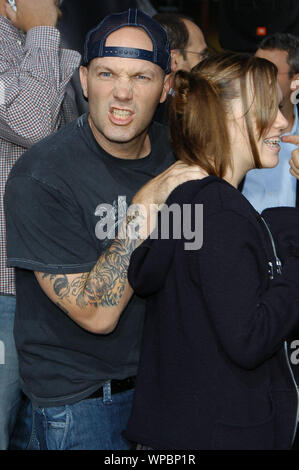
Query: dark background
{"points": [[228, 24], [204, 12], [238, 25]]}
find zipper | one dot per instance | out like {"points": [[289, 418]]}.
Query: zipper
{"points": [[294, 381], [271, 273], [277, 260]]}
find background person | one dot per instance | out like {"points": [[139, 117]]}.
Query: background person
{"points": [[187, 43], [187, 46], [34, 73]]}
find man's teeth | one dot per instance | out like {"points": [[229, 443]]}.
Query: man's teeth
{"points": [[121, 113], [272, 142]]}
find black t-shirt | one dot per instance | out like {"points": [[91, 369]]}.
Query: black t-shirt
{"points": [[53, 201]]}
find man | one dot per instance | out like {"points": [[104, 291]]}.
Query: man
{"points": [[78, 327], [277, 186], [34, 73], [78, 18], [187, 43]]}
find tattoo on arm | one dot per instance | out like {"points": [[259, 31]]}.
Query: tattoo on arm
{"points": [[104, 284], [62, 308]]}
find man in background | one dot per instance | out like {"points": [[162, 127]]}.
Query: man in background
{"points": [[187, 43], [187, 47], [34, 73]]}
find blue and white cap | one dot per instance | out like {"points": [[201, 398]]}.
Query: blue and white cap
{"points": [[96, 39]]}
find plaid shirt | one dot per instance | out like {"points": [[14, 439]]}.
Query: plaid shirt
{"points": [[34, 74]]}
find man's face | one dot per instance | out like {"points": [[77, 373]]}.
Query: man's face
{"points": [[279, 58], [123, 93], [194, 51]]}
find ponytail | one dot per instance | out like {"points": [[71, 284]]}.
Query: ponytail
{"points": [[198, 123]]}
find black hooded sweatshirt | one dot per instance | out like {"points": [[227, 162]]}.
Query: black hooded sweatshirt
{"points": [[214, 371]]}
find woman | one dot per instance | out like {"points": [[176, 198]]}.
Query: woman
{"points": [[214, 373]]}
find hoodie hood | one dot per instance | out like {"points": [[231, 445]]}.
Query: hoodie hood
{"points": [[151, 261]]}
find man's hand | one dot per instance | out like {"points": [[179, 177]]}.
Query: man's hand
{"points": [[294, 161], [32, 13], [156, 191], [291, 139]]}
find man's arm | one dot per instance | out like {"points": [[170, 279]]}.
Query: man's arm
{"points": [[33, 77], [95, 300], [30, 13]]}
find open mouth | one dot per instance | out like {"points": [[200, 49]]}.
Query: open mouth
{"points": [[273, 143], [120, 116]]}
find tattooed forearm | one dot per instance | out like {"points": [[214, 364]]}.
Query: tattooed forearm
{"points": [[62, 308], [103, 286], [107, 280]]}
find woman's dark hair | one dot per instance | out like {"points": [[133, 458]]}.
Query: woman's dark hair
{"points": [[202, 106]]}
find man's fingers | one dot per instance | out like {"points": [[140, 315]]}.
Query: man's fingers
{"points": [[181, 174], [294, 163], [33, 13], [10, 13], [180, 167], [157, 190], [294, 173], [291, 139], [295, 157]]}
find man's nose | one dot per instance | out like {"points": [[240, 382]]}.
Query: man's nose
{"points": [[123, 89]]}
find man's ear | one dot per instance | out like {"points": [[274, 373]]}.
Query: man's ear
{"points": [[166, 87], [176, 60], [83, 72]]}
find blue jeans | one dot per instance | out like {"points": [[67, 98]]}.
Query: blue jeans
{"points": [[91, 424], [10, 394], [22, 431]]}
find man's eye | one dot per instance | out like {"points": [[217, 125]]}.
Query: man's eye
{"points": [[105, 74], [142, 77]]}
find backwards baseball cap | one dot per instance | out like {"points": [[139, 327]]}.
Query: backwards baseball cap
{"points": [[96, 39]]}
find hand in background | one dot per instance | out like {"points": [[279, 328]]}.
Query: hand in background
{"points": [[32, 13], [294, 161]]}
